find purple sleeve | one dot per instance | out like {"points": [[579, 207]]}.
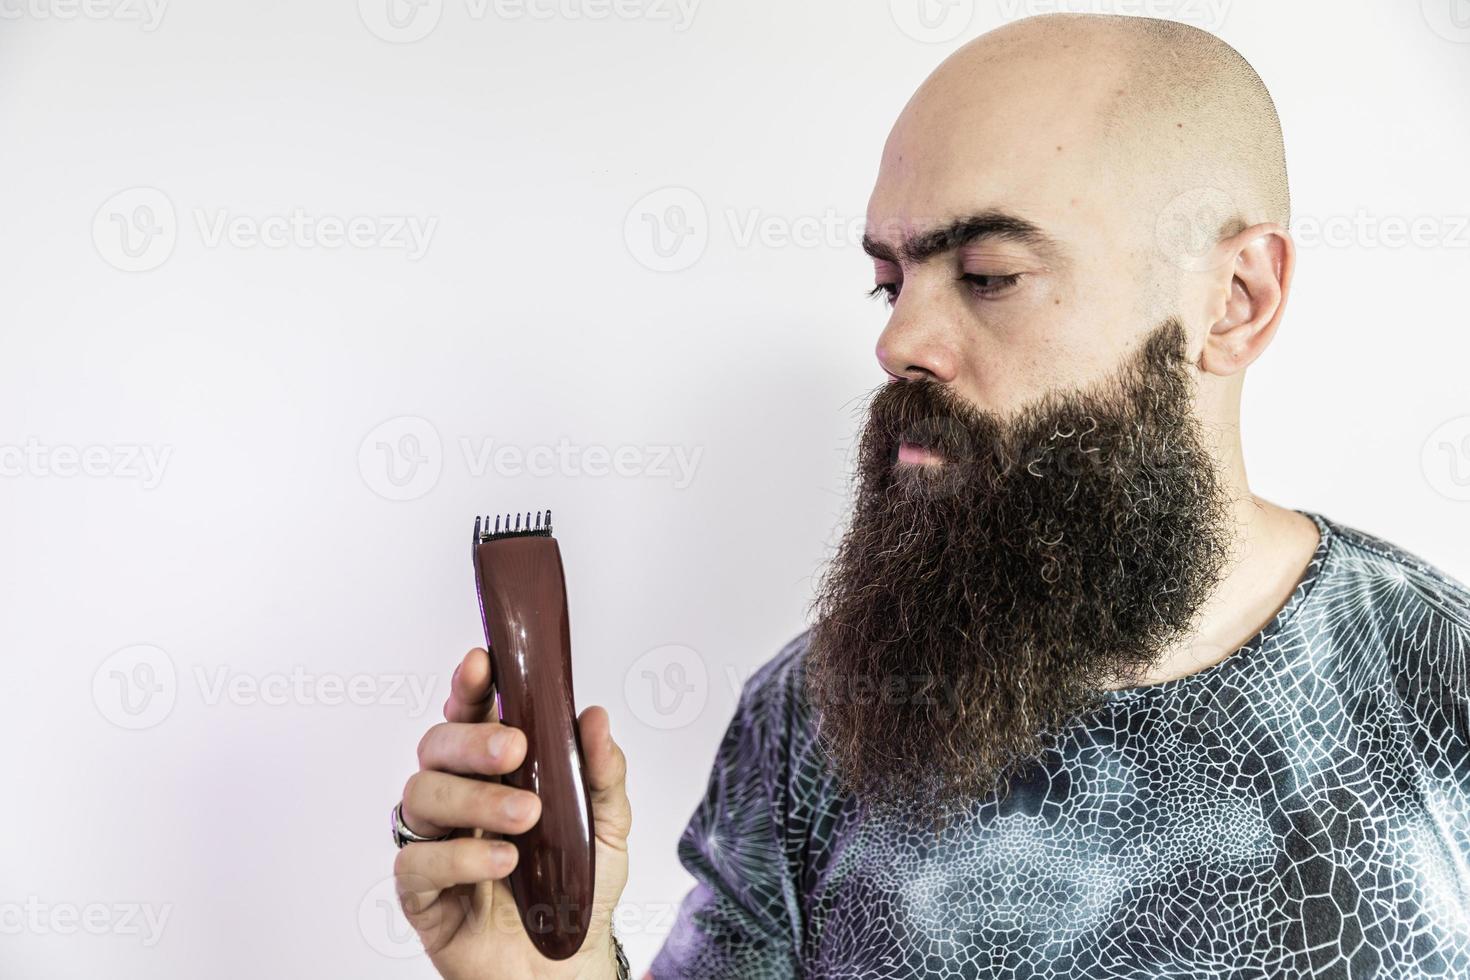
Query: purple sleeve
{"points": [[740, 920]]}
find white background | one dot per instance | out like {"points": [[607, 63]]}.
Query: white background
{"points": [[221, 776]]}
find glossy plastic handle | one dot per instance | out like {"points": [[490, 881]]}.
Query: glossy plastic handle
{"points": [[524, 605]]}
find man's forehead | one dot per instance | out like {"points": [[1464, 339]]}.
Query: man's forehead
{"points": [[1009, 135], [996, 108], [1046, 184]]}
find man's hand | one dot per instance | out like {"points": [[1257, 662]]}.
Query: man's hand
{"points": [[454, 892]]}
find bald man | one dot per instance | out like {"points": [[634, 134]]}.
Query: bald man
{"points": [[1075, 702]]}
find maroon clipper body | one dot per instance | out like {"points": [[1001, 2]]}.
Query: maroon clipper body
{"points": [[523, 602]]}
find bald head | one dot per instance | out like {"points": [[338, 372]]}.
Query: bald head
{"points": [[1190, 105], [1157, 108], [1074, 167]]}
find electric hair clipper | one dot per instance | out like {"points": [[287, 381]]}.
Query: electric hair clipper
{"points": [[523, 602]]}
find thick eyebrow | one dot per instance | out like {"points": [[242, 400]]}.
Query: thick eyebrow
{"points": [[998, 225]]}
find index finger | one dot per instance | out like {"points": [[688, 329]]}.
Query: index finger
{"points": [[471, 697]]}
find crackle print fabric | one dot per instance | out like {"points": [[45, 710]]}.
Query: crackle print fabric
{"points": [[1300, 809]]}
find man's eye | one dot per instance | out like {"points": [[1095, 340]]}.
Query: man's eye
{"points": [[888, 290], [986, 286]]}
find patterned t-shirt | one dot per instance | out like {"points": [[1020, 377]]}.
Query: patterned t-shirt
{"points": [[1300, 808]]}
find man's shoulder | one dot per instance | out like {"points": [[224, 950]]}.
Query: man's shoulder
{"points": [[1404, 622], [1389, 578], [1398, 619], [774, 709], [780, 677]]}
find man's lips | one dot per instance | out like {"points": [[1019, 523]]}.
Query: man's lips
{"points": [[909, 453]]}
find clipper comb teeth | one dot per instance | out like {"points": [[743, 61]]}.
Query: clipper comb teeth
{"points": [[504, 529]]}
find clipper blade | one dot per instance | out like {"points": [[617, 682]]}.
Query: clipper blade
{"points": [[504, 529]]}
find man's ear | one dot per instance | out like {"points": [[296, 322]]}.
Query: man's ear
{"points": [[1260, 261]]}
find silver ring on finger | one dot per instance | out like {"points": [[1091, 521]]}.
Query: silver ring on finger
{"points": [[402, 836]]}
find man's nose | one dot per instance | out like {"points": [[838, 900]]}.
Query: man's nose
{"points": [[913, 348]]}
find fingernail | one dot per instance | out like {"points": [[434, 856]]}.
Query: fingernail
{"points": [[504, 855], [519, 807], [499, 742]]}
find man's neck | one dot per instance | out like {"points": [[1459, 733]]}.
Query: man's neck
{"points": [[1271, 550]]}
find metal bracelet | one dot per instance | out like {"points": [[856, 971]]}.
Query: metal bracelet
{"points": [[625, 972]]}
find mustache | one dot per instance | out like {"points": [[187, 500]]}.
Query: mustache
{"points": [[1063, 433], [930, 415]]}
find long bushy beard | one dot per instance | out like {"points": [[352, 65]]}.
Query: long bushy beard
{"points": [[975, 608]]}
